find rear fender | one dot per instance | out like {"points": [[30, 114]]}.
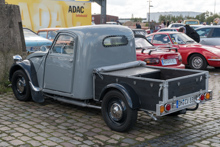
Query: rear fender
{"points": [[129, 94]]}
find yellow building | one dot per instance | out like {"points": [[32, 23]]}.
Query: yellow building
{"points": [[37, 14]]}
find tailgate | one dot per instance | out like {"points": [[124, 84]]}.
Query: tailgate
{"points": [[187, 85]]}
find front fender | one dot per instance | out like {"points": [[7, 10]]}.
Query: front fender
{"points": [[129, 93], [25, 65], [28, 68]]}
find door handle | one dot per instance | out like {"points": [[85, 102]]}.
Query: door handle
{"points": [[71, 60]]}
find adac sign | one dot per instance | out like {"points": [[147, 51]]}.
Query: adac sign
{"points": [[36, 14]]}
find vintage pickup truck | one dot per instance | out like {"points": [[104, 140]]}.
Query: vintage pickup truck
{"points": [[95, 66]]}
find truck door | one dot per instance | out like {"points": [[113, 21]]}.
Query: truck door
{"points": [[59, 65]]}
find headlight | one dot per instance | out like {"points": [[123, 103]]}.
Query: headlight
{"points": [[17, 58], [152, 61]]}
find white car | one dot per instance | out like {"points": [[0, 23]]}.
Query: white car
{"points": [[209, 35], [176, 25]]}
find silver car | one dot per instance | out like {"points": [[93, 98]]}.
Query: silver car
{"points": [[209, 35]]}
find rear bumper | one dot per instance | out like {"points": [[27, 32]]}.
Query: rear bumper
{"points": [[179, 104], [181, 66]]}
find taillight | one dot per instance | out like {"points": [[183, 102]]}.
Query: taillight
{"points": [[180, 58], [161, 109], [202, 97], [208, 95], [167, 107], [152, 61]]}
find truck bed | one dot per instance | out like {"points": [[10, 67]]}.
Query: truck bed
{"points": [[153, 84]]}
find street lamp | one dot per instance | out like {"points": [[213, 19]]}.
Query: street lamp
{"points": [[149, 13]]}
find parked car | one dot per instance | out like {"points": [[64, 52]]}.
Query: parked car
{"points": [[176, 25], [209, 35], [48, 33], [191, 22], [33, 41], [168, 30], [97, 68], [139, 32], [196, 55], [157, 55]]}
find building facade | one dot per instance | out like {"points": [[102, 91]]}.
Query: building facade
{"points": [[96, 18], [156, 15]]}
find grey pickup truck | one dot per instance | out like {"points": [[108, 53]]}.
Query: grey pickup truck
{"points": [[95, 66]]}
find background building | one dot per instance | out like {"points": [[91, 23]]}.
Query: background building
{"points": [[96, 18], [155, 15]]}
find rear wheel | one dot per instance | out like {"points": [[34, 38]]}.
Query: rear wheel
{"points": [[197, 61], [116, 112], [20, 86]]}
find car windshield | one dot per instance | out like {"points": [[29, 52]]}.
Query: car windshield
{"points": [[141, 43], [181, 38], [29, 33], [191, 22]]}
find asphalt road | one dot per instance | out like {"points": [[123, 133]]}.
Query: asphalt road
{"points": [[57, 124]]}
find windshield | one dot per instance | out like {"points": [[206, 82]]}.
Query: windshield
{"points": [[191, 22], [29, 33], [141, 43], [181, 38]]}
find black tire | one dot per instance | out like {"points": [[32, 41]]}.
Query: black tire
{"points": [[197, 61], [20, 86], [217, 67], [120, 121]]}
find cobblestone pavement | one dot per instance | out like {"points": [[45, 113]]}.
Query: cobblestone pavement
{"points": [[58, 124]]}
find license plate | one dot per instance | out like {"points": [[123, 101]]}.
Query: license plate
{"points": [[185, 101], [169, 62]]}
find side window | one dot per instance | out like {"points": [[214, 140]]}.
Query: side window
{"points": [[161, 39], [52, 34], [149, 38], [216, 32], [203, 32], [43, 34], [64, 45]]}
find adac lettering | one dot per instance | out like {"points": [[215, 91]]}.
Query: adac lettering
{"points": [[76, 9]]}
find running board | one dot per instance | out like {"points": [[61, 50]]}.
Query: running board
{"points": [[74, 102]]}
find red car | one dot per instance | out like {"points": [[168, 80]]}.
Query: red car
{"points": [[195, 55], [157, 56]]}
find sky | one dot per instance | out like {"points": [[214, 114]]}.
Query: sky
{"points": [[140, 8]]}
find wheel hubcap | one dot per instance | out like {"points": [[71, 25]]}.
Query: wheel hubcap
{"points": [[116, 112], [197, 62], [21, 85]]}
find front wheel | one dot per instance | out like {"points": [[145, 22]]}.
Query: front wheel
{"points": [[20, 86], [197, 61], [116, 112]]}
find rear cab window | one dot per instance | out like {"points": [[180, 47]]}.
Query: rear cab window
{"points": [[112, 41]]}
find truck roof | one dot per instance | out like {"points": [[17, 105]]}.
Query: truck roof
{"points": [[100, 29]]}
